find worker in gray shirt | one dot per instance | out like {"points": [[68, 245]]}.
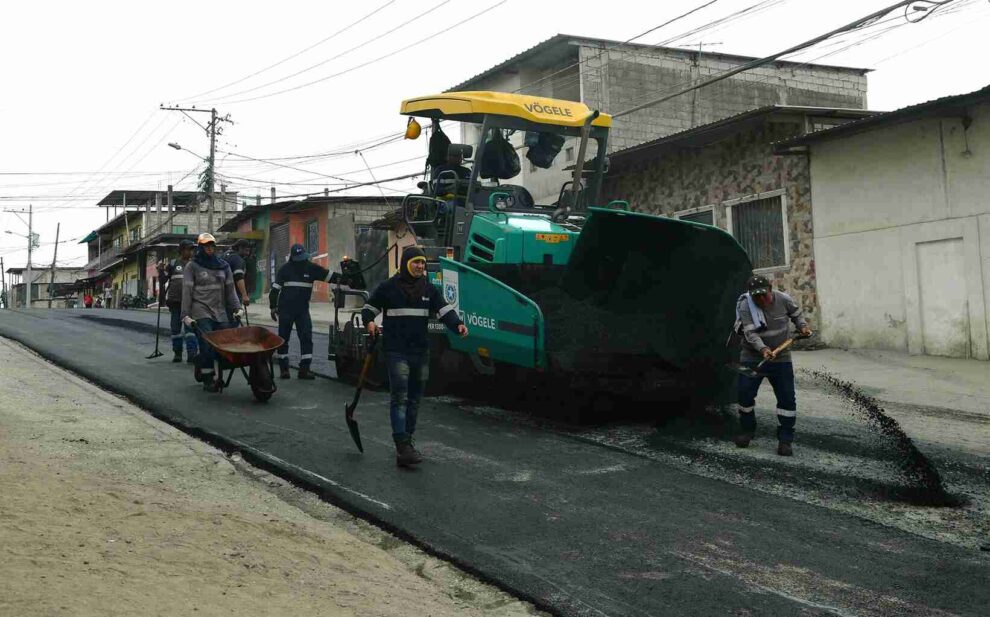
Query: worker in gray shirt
{"points": [[208, 294], [763, 319]]}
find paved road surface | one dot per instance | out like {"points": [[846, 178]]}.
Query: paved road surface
{"points": [[577, 527]]}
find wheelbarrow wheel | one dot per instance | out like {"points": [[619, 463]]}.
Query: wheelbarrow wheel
{"points": [[261, 382]]}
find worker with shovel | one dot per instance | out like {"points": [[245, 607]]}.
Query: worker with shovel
{"points": [[208, 293], [172, 274], [764, 317], [407, 300]]}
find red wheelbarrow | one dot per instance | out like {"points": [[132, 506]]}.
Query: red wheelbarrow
{"points": [[252, 348]]}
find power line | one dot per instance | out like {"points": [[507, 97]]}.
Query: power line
{"points": [[366, 42], [374, 60], [297, 54], [859, 23]]}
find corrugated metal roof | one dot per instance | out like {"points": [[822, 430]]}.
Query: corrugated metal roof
{"points": [[732, 122], [949, 105]]}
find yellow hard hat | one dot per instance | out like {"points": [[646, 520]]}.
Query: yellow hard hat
{"points": [[206, 239], [413, 129]]}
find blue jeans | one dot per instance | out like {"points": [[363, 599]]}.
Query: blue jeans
{"points": [[175, 311], [206, 360], [304, 329], [407, 375], [781, 377]]}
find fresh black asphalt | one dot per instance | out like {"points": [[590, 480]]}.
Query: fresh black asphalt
{"points": [[577, 528]]}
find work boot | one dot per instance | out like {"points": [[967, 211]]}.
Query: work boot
{"points": [[406, 455], [742, 439], [412, 446], [284, 373], [191, 358], [784, 448], [305, 373], [211, 385], [177, 357]]}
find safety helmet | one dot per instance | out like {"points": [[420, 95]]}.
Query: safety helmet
{"points": [[413, 129], [205, 239], [186, 243]]}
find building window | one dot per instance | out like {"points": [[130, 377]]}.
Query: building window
{"points": [[180, 229], [135, 234], [704, 215], [569, 154], [313, 237], [759, 223]]}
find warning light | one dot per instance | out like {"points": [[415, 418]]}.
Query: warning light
{"points": [[483, 352]]}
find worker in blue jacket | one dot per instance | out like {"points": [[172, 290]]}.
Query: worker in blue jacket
{"points": [[289, 304], [236, 258], [407, 300]]}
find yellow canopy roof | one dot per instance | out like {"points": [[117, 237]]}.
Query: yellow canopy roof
{"points": [[468, 106]]}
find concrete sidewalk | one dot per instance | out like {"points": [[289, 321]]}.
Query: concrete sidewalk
{"points": [[926, 381]]}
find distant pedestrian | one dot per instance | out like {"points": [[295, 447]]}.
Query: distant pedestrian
{"points": [[407, 300], [171, 276], [88, 300], [99, 303], [208, 295], [764, 316], [289, 303]]}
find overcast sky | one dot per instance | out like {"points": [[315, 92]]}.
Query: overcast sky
{"points": [[82, 82]]}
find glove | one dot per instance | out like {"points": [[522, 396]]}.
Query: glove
{"points": [[239, 314], [189, 321], [274, 314]]}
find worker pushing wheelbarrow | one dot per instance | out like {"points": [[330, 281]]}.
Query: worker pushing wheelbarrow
{"points": [[210, 305], [249, 348]]}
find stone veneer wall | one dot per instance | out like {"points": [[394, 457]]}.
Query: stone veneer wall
{"points": [[671, 180]]}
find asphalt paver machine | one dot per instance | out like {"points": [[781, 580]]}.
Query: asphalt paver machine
{"points": [[580, 294]]}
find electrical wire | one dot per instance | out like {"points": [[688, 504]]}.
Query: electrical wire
{"points": [[364, 43], [374, 60], [297, 54]]}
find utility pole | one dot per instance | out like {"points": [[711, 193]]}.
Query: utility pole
{"points": [[223, 204], [51, 283], [30, 245], [3, 273], [212, 130]]}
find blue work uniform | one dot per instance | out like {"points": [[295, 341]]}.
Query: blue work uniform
{"points": [[291, 293], [405, 323], [172, 276], [237, 268]]}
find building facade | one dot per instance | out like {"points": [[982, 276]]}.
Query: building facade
{"points": [[902, 228], [727, 174], [613, 76]]}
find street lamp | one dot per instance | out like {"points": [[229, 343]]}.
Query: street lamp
{"points": [[199, 225]]}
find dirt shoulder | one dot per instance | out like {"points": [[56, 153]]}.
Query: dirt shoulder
{"points": [[107, 511]]}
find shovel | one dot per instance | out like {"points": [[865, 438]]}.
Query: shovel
{"points": [[352, 424], [158, 325], [755, 372]]}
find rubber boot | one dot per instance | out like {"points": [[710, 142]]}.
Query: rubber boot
{"points": [[784, 448], [405, 454], [177, 357], [211, 385], [283, 369], [747, 424], [305, 373]]}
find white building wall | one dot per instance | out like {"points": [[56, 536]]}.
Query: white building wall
{"points": [[902, 237]]}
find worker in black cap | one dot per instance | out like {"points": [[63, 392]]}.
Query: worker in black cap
{"points": [[408, 300], [170, 277], [236, 258], [289, 304], [763, 317]]}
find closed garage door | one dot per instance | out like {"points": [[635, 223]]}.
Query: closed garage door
{"points": [[944, 298]]}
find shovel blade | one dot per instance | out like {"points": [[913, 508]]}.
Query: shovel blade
{"points": [[352, 426], [743, 370], [157, 354]]}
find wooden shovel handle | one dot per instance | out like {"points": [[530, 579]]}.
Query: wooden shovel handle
{"points": [[782, 347]]}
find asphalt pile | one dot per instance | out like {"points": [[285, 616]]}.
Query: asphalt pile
{"points": [[576, 326], [923, 482]]}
